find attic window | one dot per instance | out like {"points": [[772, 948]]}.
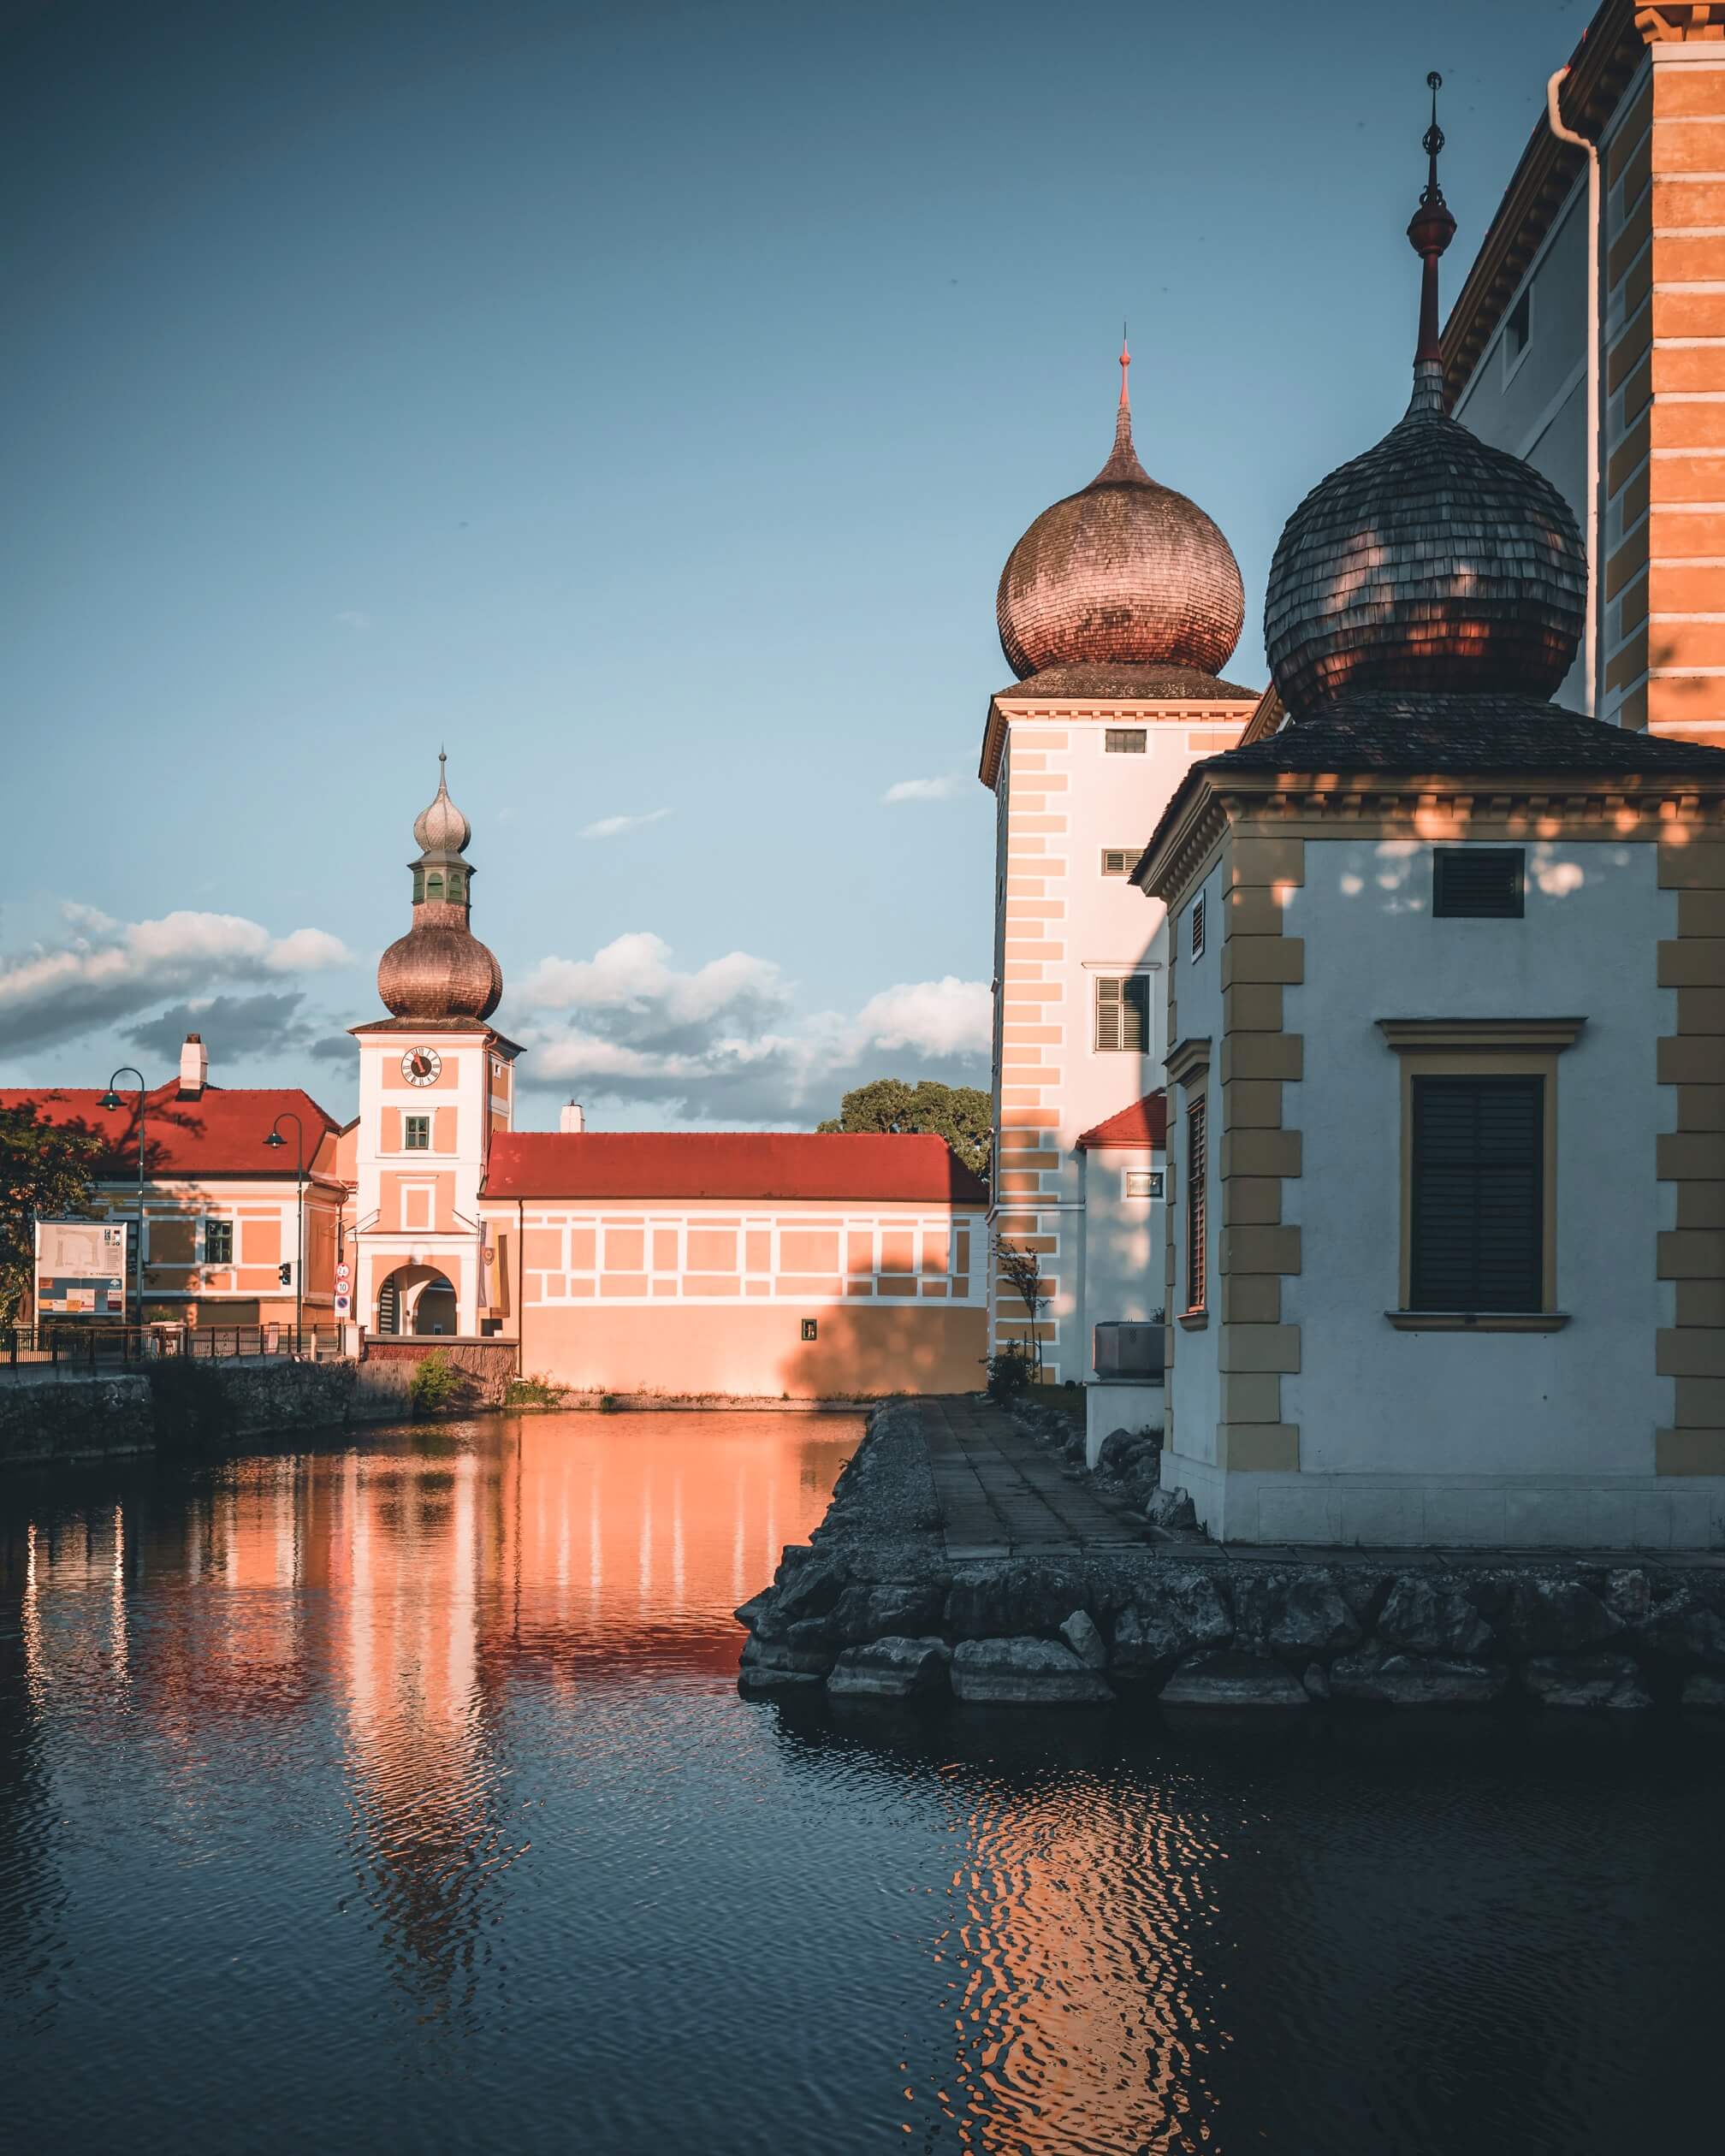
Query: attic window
{"points": [[1117, 860], [1478, 883], [1518, 330], [1198, 927], [1123, 741]]}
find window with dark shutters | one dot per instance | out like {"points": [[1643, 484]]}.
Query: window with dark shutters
{"points": [[1122, 1013], [1194, 1205], [1477, 883], [1477, 1232]]}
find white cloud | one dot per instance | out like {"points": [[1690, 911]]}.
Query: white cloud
{"points": [[945, 1017], [724, 1041], [110, 971], [351, 618], [924, 789], [614, 826]]}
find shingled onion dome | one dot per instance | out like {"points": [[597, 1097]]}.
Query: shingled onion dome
{"points": [[439, 969], [1433, 562], [1124, 573]]}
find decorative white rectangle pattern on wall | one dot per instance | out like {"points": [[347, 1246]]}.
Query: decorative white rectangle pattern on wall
{"points": [[581, 1256]]}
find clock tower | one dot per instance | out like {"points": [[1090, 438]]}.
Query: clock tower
{"points": [[436, 1080]]}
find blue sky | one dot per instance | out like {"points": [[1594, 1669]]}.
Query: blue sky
{"points": [[641, 401]]}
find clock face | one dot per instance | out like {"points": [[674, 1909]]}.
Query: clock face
{"points": [[420, 1066]]}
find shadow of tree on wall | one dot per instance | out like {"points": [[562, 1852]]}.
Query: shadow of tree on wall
{"points": [[868, 1353]]}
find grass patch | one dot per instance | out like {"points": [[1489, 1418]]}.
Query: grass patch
{"points": [[533, 1392]]}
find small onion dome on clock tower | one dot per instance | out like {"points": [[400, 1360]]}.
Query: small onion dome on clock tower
{"points": [[1124, 573], [1434, 563], [439, 969]]}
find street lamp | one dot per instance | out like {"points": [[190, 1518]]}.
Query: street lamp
{"points": [[110, 1100], [277, 1139]]}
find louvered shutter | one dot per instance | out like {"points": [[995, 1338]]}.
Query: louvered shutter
{"points": [[1135, 1012], [1477, 883], [1196, 1169], [1107, 1013], [1478, 1204]]}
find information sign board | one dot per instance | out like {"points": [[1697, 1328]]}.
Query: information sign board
{"points": [[81, 1269]]}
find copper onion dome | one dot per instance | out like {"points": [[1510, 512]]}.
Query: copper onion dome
{"points": [[439, 969], [1124, 572], [1433, 562]]}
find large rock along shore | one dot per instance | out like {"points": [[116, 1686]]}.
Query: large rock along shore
{"points": [[871, 1609]]}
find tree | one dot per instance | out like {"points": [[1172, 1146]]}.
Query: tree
{"points": [[962, 1115], [46, 1170], [1022, 1270]]}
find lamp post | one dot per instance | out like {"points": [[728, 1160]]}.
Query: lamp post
{"points": [[277, 1139], [110, 1100]]}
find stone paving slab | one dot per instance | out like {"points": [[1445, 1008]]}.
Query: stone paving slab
{"points": [[1000, 1496]]}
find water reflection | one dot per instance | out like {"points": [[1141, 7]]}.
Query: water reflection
{"points": [[399, 1794]]}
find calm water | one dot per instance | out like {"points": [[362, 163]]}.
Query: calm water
{"points": [[397, 1796]]}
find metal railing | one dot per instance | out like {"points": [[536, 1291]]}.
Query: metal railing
{"points": [[74, 1346]]}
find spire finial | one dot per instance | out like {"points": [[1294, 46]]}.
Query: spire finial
{"points": [[1429, 233], [1123, 460]]}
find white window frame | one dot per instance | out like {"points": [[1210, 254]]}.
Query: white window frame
{"points": [[1512, 367], [1157, 1178]]}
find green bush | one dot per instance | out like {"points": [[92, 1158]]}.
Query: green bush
{"points": [[188, 1403], [1009, 1371], [435, 1384], [533, 1392]]}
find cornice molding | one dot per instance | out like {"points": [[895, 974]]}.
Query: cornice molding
{"points": [[1612, 49], [1188, 1059], [1223, 714], [1672, 22], [1267, 718], [1481, 1036], [1641, 807]]}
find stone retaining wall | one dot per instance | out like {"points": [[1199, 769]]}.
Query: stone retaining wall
{"points": [[55, 1416], [871, 1609], [489, 1365]]}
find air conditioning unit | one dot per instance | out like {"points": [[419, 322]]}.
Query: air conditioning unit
{"points": [[1130, 1350]]}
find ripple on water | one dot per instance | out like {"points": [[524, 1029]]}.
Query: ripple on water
{"points": [[398, 1795]]}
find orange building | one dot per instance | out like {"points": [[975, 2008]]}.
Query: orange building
{"points": [[734, 1264], [227, 1219], [1589, 340]]}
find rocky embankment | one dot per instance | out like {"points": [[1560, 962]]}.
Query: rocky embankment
{"points": [[870, 1608]]}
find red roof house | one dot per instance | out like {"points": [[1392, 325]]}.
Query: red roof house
{"points": [[914, 1168]]}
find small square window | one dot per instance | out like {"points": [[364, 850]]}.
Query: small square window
{"points": [[1198, 927], [1123, 741], [1117, 860], [218, 1242], [1143, 1182], [1478, 883], [416, 1134]]}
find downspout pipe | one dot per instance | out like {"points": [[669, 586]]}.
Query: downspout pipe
{"points": [[1554, 118]]}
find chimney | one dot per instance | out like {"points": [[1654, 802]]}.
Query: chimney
{"points": [[194, 1067], [573, 1117]]}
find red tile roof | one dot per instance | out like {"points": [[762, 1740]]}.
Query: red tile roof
{"points": [[1145, 1123], [220, 1133], [729, 1164]]}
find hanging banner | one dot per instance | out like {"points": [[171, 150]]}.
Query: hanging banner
{"points": [[81, 1269]]}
